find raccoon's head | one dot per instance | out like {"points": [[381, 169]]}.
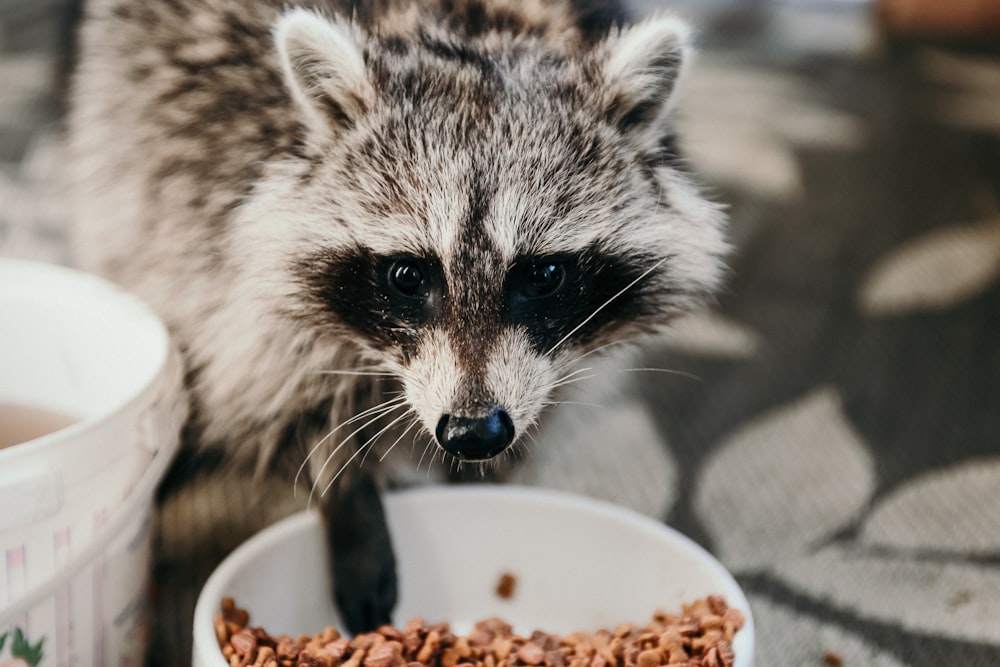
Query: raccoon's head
{"points": [[476, 214]]}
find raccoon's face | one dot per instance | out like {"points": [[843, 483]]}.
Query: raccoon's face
{"points": [[476, 218]]}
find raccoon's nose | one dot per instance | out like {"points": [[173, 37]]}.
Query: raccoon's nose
{"points": [[476, 438]]}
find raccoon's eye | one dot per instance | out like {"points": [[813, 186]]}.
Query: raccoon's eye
{"points": [[543, 279], [406, 276]]}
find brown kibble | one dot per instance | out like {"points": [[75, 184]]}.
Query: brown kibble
{"points": [[726, 653], [456, 653], [832, 658], [389, 654], [366, 641], [221, 631], [671, 640], [531, 654], [713, 621], [651, 657], [699, 637], [265, 654], [717, 604], [736, 617], [233, 614], [502, 647], [678, 656], [413, 626], [430, 647], [506, 586], [243, 643]]}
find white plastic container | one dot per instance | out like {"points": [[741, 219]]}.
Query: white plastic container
{"points": [[579, 564], [75, 504]]}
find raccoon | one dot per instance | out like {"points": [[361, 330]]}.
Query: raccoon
{"points": [[378, 222]]}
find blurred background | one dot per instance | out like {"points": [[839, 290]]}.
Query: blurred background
{"points": [[830, 427]]}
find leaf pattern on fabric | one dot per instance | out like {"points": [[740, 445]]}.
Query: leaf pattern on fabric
{"points": [[751, 144], [783, 482], [955, 510], [711, 334], [970, 95], [794, 639], [935, 271], [959, 600]]}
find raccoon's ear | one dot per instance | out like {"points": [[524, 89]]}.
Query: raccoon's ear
{"points": [[644, 63], [324, 70]]}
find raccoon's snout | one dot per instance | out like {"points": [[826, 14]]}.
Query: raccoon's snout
{"points": [[476, 438]]}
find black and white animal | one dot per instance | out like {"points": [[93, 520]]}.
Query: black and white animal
{"points": [[369, 223]]}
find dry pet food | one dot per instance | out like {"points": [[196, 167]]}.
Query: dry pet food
{"points": [[700, 636], [506, 586]]}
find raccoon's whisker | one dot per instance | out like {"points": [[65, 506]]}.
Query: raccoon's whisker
{"points": [[386, 406], [575, 372], [371, 441], [585, 403], [363, 448], [522, 444], [388, 426], [606, 303], [670, 371], [572, 362], [568, 377], [601, 348], [430, 442], [563, 383], [413, 423], [355, 372], [332, 454]]}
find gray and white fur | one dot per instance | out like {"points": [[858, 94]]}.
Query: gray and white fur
{"points": [[435, 207]]}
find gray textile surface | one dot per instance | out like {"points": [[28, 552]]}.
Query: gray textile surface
{"points": [[832, 432]]}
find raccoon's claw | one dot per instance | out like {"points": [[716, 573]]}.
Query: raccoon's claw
{"points": [[362, 561]]}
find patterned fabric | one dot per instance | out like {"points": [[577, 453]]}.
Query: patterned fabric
{"points": [[830, 428]]}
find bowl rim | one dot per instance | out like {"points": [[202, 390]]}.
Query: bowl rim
{"points": [[68, 282], [211, 593]]}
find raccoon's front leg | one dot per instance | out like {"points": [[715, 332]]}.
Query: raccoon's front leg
{"points": [[362, 560]]}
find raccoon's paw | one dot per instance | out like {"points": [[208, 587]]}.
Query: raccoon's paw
{"points": [[362, 561], [365, 596]]}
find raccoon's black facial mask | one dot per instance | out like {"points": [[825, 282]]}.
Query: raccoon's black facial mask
{"points": [[390, 299], [575, 296], [386, 299]]}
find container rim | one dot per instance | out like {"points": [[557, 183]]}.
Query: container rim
{"points": [[77, 280]]}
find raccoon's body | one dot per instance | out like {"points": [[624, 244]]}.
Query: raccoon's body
{"points": [[452, 200]]}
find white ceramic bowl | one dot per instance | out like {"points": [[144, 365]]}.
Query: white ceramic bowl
{"points": [[579, 564]]}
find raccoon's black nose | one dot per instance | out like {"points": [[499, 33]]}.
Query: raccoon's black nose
{"points": [[476, 438]]}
